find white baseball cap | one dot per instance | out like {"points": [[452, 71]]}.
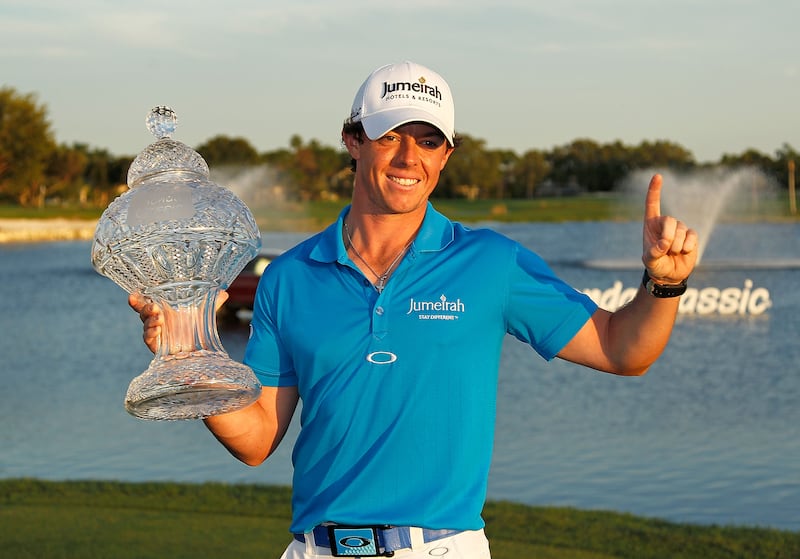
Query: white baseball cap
{"points": [[397, 94]]}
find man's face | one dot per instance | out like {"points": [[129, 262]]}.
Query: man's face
{"points": [[398, 172]]}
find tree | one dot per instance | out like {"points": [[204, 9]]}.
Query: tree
{"points": [[104, 174], [472, 171], [780, 168], [224, 150], [312, 171], [26, 146], [530, 170], [750, 158], [65, 170], [579, 166], [661, 153]]}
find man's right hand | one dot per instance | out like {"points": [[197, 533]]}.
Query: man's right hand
{"points": [[152, 319]]}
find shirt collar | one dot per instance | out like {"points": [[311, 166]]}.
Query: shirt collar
{"points": [[434, 235]]}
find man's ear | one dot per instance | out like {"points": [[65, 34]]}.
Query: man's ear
{"points": [[352, 144], [446, 157]]}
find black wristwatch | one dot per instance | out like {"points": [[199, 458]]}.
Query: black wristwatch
{"points": [[663, 291]]}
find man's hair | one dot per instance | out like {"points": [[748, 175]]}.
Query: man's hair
{"points": [[356, 130]]}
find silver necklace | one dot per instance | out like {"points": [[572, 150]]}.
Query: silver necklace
{"points": [[380, 279]]}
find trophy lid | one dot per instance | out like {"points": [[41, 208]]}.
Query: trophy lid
{"points": [[174, 233], [165, 154]]}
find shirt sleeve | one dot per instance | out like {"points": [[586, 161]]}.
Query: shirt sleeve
{"points": [[265, 353], [543, 310]]}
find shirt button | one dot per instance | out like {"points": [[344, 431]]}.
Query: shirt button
{"points": [[379, 311]]}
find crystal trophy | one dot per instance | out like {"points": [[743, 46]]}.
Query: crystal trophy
{"points": [[179, 239]]}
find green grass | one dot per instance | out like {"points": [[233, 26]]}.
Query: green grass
{"points": [[92, 519], [17, 212], [314, 216]]}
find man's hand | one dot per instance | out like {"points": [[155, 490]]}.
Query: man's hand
{"points": [[669, 246], [153, 317]]}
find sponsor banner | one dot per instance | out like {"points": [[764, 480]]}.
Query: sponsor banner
{"points": [[745, 300]]}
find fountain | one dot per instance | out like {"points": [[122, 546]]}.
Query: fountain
{"points": [[699, 199], [702, 200]]}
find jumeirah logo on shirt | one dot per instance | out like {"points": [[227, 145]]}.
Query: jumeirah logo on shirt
{"points": [[441, 309]]}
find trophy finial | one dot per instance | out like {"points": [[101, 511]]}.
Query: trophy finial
{"points": [[161, 122], [165, 154]]}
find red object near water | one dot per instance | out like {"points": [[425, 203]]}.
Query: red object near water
{"points": [[242, 290]]}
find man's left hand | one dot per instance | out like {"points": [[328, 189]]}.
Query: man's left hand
{"points": [[669, 246]]}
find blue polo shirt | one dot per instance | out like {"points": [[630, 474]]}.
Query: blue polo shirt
{"points": [[399, 389]]}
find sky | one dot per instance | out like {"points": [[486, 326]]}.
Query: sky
{"points": [[715, 76]]}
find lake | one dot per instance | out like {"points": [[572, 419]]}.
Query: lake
{"points": [[709, 435]]}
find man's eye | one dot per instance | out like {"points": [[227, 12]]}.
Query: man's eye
{"points": [[432, 144]]}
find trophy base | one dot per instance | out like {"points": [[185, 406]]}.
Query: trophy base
{"points": [[193, 386]]}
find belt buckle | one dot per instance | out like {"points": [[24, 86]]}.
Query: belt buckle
{"points": [[355, 541]]}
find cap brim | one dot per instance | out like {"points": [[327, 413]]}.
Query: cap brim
{"points": [[378, 124]]}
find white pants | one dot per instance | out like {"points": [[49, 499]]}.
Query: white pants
{"points": [[465, 545]]}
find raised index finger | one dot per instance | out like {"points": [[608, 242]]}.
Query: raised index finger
{"points": [[652, 204]]}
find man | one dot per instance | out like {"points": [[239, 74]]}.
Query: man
{"points": [[389, 326]]}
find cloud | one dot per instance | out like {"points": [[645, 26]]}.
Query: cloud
{"points": [[135, 28]]}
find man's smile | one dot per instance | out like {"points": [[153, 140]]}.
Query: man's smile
{"points": [[402, 181]]}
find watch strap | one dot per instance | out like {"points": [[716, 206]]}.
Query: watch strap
{"points": [[661, 290]]}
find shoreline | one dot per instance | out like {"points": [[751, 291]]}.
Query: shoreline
{"points": [[22, 230], [34, 230]]}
